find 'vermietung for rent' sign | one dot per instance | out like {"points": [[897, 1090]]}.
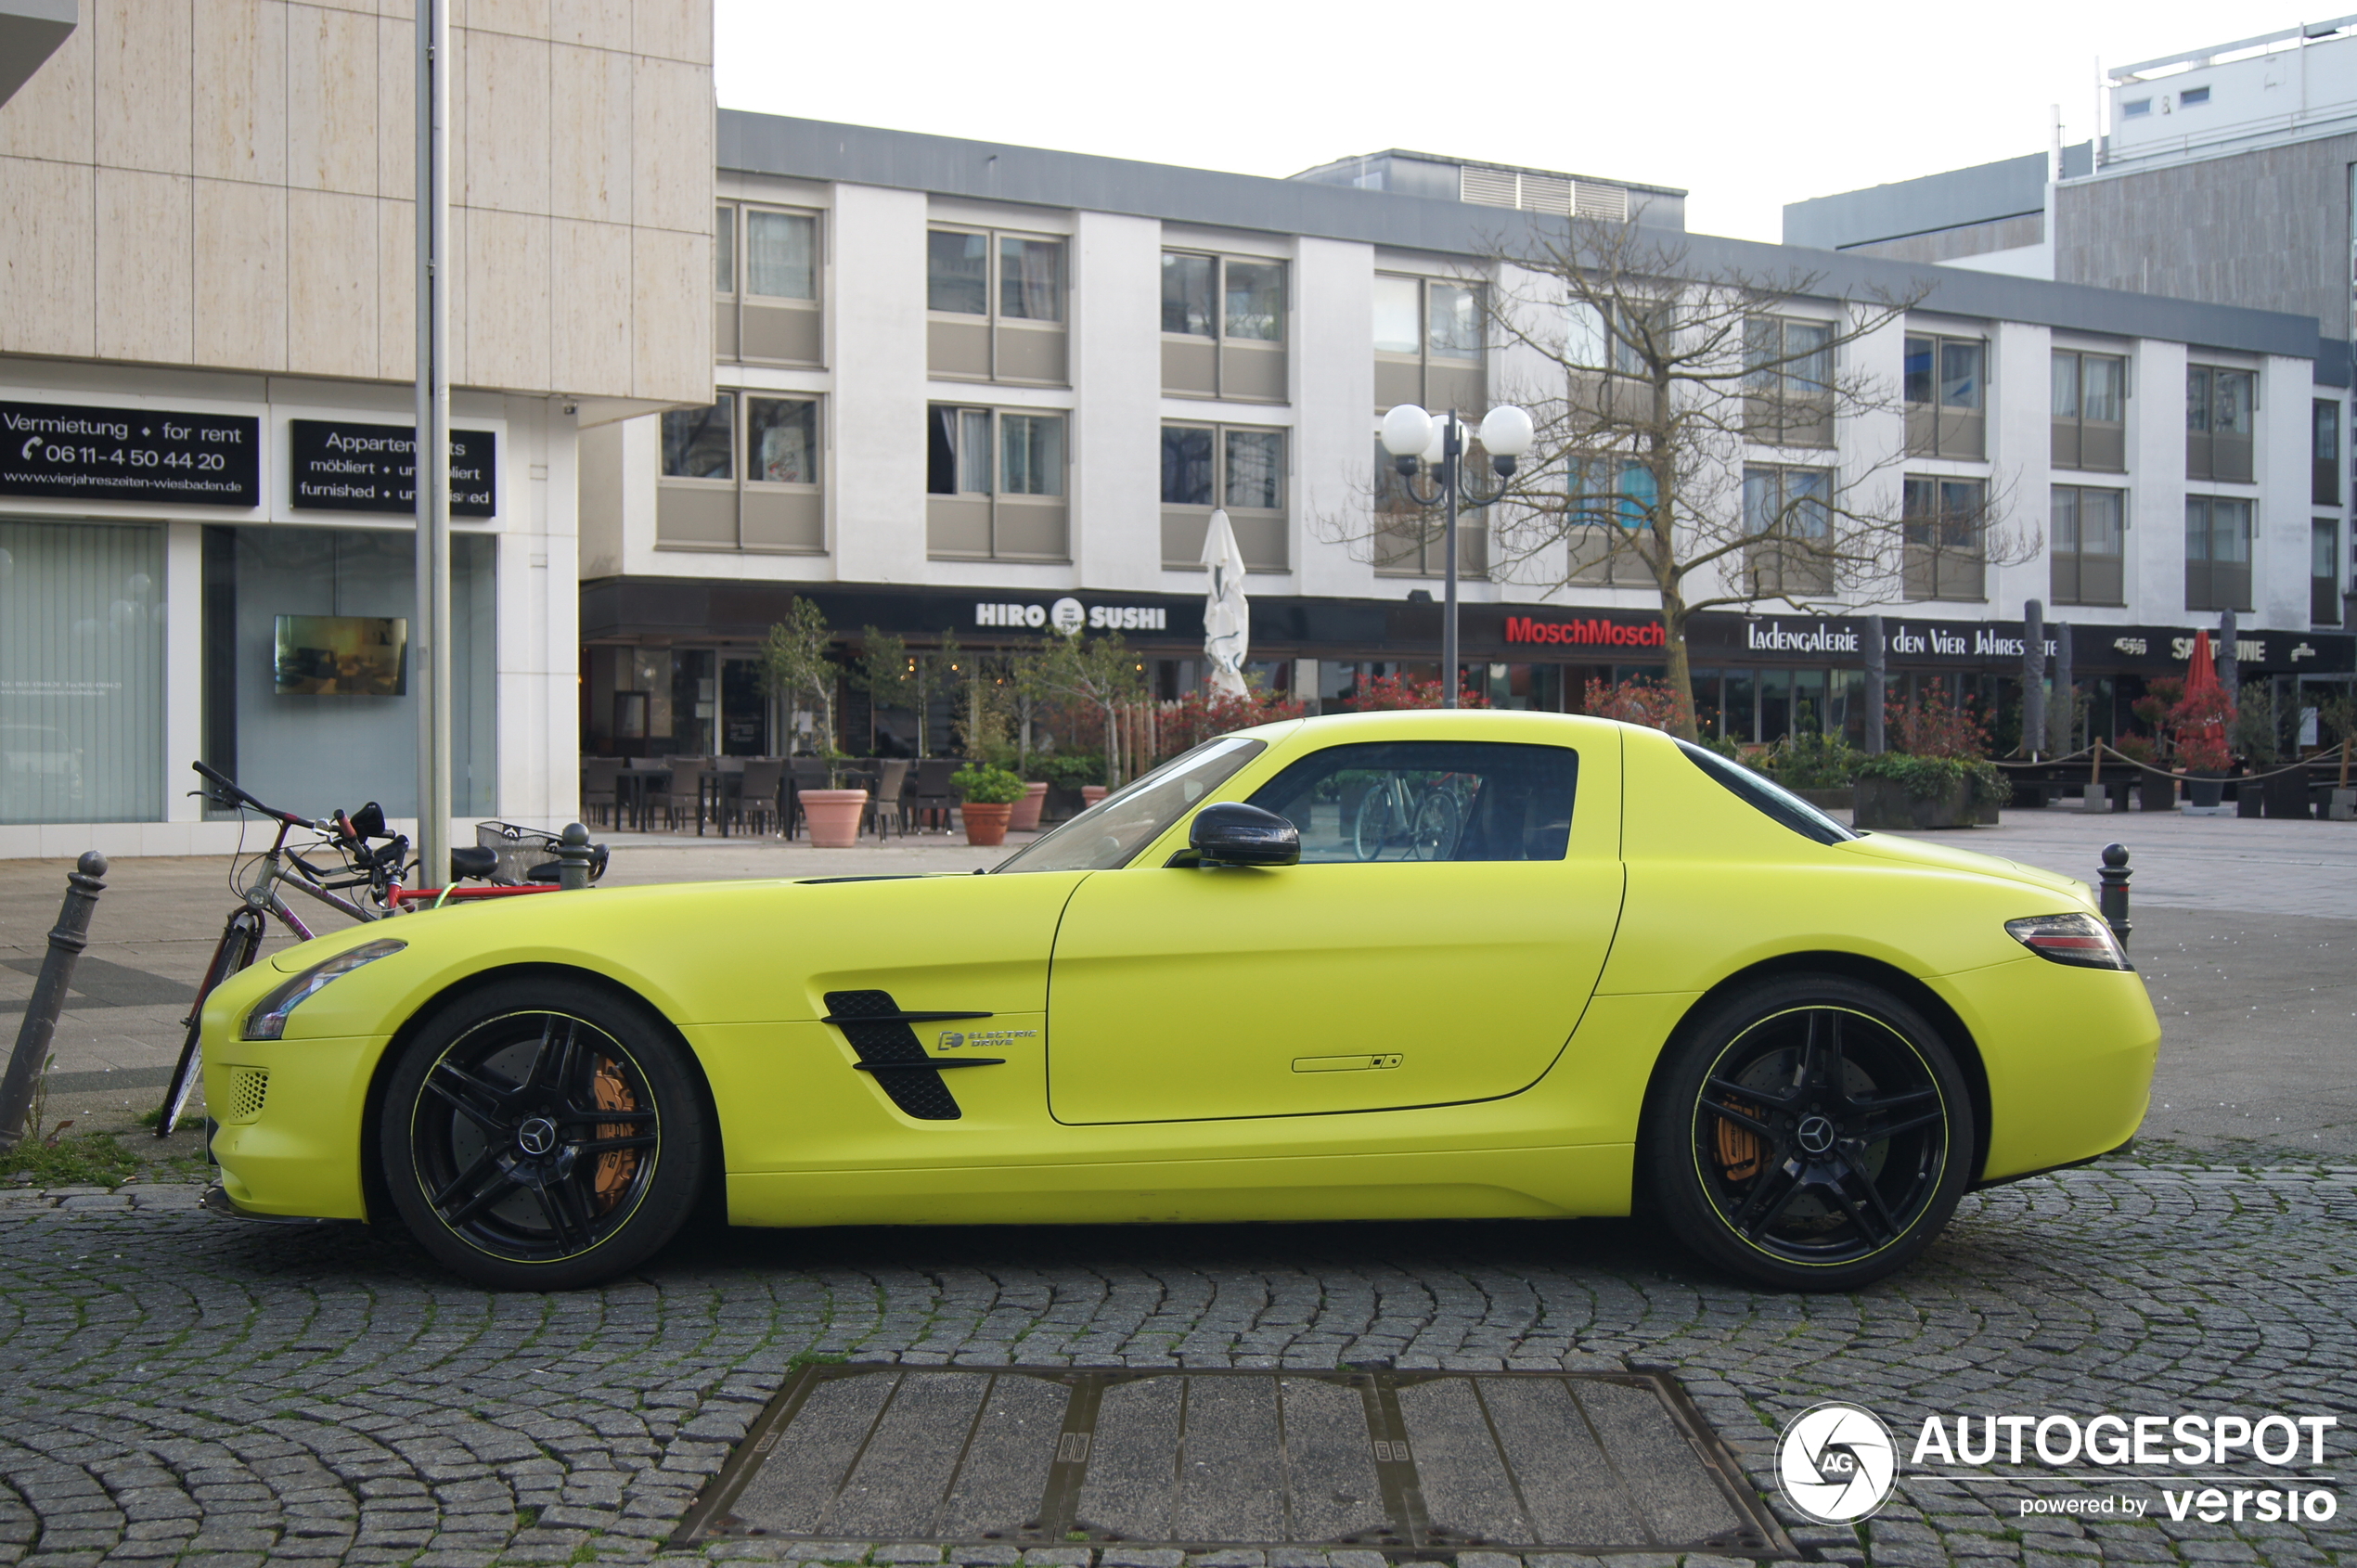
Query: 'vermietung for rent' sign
{"points": [[130, 455], [339, 467]]}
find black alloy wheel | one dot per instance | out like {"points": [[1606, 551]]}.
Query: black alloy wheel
{"points": [[543, 1134], [1812, 1132]]}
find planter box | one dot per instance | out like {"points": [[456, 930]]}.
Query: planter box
{"points": [[2286, 795], [1844, 799], [1885, 804], [2204, 791], [2158, 791], [1061, 801], [2343, 806]]}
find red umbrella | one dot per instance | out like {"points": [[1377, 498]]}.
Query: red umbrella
{"points": [[2202, 674], [2203, 735]]}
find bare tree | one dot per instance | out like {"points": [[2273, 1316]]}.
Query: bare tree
{"points": [[1686, 423]]}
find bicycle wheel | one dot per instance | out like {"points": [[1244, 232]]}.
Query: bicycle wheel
{"points": [[1437, 824], [241, 941], [1375, 826]]}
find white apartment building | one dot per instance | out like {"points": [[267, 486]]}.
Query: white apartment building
{"points": [[975, 388]]}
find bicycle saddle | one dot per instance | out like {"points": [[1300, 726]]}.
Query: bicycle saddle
{"points": [[473, 860]]}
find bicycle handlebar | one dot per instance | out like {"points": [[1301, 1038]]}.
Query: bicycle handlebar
{"points": [[243, 796]]}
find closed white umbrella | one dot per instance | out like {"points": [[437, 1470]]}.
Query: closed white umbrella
{"points": [[1226, 620]]}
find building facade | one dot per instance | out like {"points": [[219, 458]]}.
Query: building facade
{"points": [[207, 346], [988, 390]]}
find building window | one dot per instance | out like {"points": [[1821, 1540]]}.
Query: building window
{"points": [[774, 317], [761, 496], [994, 478], [1940, 521], [1611, 498], [2134, 108], [2091, 411], [2217, 417], [2193, 95], [2086, 554], [1223, 327], [1947, 397], [1235, 467], [2324, 570], [1788, 382], [1411, 540], [995, 305], [1788, 514], [2217, 553], [2324, 454], [1428, 344]]}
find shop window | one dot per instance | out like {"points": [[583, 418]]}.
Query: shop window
{"points": [[1428, 344], [1946, 391], [313, 751], [2085, 550], [81, 643], [1410, 539], [995, 480], [1788, 517], [1223, 327], [1234, 468], [1940, 522], [2219, 403], [995, 306], [1788, 382], [2091, 411], [2217, 553], [766, 272], [762, 496]]}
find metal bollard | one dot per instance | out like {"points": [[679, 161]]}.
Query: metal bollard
{"points": [[2112, 897], [83, 885], [572, 857]]}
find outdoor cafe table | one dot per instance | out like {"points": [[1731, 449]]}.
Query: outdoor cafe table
{"points": [[631, 787]]}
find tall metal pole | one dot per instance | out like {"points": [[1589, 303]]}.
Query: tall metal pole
{"points": [[1448, 465], [430, 635]]}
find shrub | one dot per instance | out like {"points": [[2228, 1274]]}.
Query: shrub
{"points": [[1925, 777], [987, 786], [2198, 730], [2137, 748], [1933, 727], [1070, 770], [1637, 700], [1814, 761], [1201, 714], [1376, 694]]}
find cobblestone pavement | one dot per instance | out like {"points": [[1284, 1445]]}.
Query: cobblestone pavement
{"points": [[176, 1387]]}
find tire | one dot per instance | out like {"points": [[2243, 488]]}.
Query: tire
{"points": [[1374, 831], [1437, 821], [544, 1134], [1812, 1132]]}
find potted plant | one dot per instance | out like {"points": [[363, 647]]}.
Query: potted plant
{"points": [[2198, 725], [2156, 790], [794, 661], [1821, 769], [1899, 791], [990, 795], [1066, 776]]}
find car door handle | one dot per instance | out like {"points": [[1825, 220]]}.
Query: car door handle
{"points": [[1346, 1064]]}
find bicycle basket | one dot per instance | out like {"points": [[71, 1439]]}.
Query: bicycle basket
{"points": [[520, 850]]}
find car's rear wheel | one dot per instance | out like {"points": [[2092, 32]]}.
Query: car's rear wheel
{"points": [[543, 1134], [1811, 1132]]}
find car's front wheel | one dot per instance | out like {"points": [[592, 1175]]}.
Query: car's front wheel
{"points": [[1811, 1132], [543, 1134]]}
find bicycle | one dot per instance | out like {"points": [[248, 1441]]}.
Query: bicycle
{"points": [[1424, 823], [372, 873]]}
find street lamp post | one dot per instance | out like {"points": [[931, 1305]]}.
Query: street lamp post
{"points": [[1414, 438]]}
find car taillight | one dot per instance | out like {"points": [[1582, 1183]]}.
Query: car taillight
{"points": [[2071, 939]]}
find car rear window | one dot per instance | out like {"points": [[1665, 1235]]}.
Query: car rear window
{"points": [[1772, 800]]}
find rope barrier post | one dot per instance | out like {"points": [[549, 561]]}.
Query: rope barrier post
{"points": [[67, 939], [2113, 897]]}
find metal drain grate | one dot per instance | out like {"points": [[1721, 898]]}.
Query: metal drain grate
{"points": [[1395, 1461]]}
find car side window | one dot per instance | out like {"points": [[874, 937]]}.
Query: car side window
{"points": [[1428, 800]]}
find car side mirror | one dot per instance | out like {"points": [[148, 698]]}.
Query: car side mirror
{"points": [[1232, 833]]}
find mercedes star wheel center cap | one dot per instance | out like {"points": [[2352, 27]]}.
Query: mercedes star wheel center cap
{"points": [[539, 1135], [1815, 1133]]}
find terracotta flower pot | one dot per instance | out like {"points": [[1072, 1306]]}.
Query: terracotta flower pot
{"points": [[1025, 815], [1090, 794], [833, 816], [986, 823]]}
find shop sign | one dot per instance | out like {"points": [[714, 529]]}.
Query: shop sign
{"points": [[1817, 637], [1070, 616], [1591, 633], [342, 468], [151, 455]]}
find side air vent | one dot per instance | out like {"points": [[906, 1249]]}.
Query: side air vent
{"points": [[248, 1087]]}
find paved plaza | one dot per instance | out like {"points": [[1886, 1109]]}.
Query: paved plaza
{"points": [[180, 1389]]}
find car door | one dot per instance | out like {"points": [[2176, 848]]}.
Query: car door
{"points": [[1454, 904]]}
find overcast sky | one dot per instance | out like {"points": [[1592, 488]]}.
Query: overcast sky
{"points": [[1747, 105]]}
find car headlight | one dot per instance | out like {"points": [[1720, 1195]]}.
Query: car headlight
{"points": [[2071, 939], [268, 1019]]}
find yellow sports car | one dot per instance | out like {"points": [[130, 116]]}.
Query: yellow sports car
{"points": [[1384, 965]]}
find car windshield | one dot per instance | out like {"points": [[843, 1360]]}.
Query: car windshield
{"points": [[1107, 834], [1769, 798]]}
